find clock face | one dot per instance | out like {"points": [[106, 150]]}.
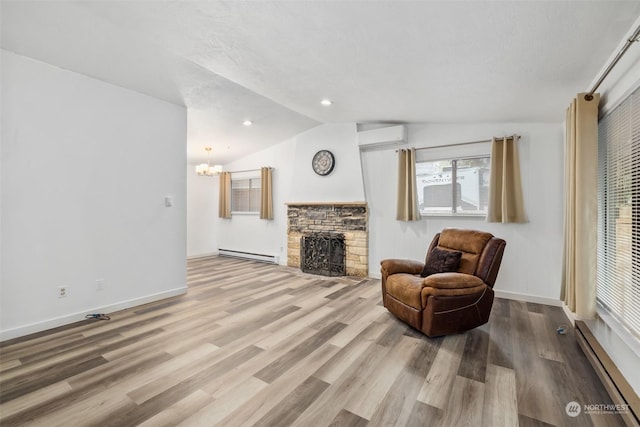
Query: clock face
{"points": [[323, 162]]}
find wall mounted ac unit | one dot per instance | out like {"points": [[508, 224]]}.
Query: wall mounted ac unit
{"points": [[390, 135]]}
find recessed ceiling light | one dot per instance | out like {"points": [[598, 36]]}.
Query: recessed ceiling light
{"points": [[247, 123], [326, 102]]}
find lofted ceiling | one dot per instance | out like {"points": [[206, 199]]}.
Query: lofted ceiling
{"points": [[379, 61]]}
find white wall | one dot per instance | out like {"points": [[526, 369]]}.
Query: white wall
{"points": [[344, 184], [85, 170], [295, 181], [202, 213], [249, 233], [532, 262]]}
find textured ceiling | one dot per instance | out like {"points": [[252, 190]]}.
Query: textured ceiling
{"points": [[272, 61]]}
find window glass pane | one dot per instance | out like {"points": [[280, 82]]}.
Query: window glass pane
{"points": [[245, 195], [472, 176], [240, 183], [433, 180], [254, 196], [436, 192]]}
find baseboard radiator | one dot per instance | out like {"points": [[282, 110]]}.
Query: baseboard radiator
{"points": [[614, 382], [270, 259]]}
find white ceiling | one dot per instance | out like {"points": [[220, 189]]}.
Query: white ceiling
{"points": [[272, 61]]}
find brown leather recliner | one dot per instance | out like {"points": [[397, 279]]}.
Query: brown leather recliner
{"points": [[449, 302]]}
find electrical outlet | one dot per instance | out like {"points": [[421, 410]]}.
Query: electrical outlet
{"points": [[99, 285], [63, 291]]}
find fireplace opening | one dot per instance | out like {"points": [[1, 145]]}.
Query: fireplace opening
{"points": [[323, 253]]}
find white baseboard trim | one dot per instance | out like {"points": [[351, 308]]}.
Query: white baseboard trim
{"points": [[76, 317], [528, 298], [205, 255]]}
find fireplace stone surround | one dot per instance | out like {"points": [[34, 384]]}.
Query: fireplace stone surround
{"points": [[350, 219]]}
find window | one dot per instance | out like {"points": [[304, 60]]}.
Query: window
{"points": [[618, 282], [245, 195], [436, 190]]}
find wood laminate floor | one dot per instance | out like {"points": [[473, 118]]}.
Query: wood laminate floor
{"points": [[257, 344]]}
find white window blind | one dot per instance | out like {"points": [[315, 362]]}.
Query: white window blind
{"points": [[618, 287], [245, 195]]}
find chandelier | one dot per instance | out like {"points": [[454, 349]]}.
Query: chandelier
{"points": [[205, 169]]}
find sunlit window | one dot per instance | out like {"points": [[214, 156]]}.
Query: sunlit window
{"points": [[458, 186]]}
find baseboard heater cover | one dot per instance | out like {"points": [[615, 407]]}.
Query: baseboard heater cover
{"points": [[614, 382], [270, 259]]}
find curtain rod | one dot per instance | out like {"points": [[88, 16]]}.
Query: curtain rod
{"points": [[630, 40], [461, 143], [248, 170]]}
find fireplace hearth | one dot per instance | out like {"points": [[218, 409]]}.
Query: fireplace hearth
{"points": [[323, 253]]}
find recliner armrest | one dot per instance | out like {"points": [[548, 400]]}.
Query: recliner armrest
{"points": [[452, 281], [393, 266]]}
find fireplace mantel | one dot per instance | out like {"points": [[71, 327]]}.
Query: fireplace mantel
{"points": [[348, 218]]}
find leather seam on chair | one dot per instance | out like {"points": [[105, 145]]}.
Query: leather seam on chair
{"points": [[478, 312], [462, 308], [404, 304]]}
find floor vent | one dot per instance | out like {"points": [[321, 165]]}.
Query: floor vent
{"points": [[270, 259]]}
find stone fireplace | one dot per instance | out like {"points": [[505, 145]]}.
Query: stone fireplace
{"points": [[346, 220]]}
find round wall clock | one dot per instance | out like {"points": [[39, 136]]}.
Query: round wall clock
{"points": [[323, 162]]}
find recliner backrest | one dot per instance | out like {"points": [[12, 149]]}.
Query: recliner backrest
{"points": [[481, 252]]}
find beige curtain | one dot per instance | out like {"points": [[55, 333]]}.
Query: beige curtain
{"points": [[224, 204], [580, 207], [266, 193], [505, 189], [407, 193]]}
